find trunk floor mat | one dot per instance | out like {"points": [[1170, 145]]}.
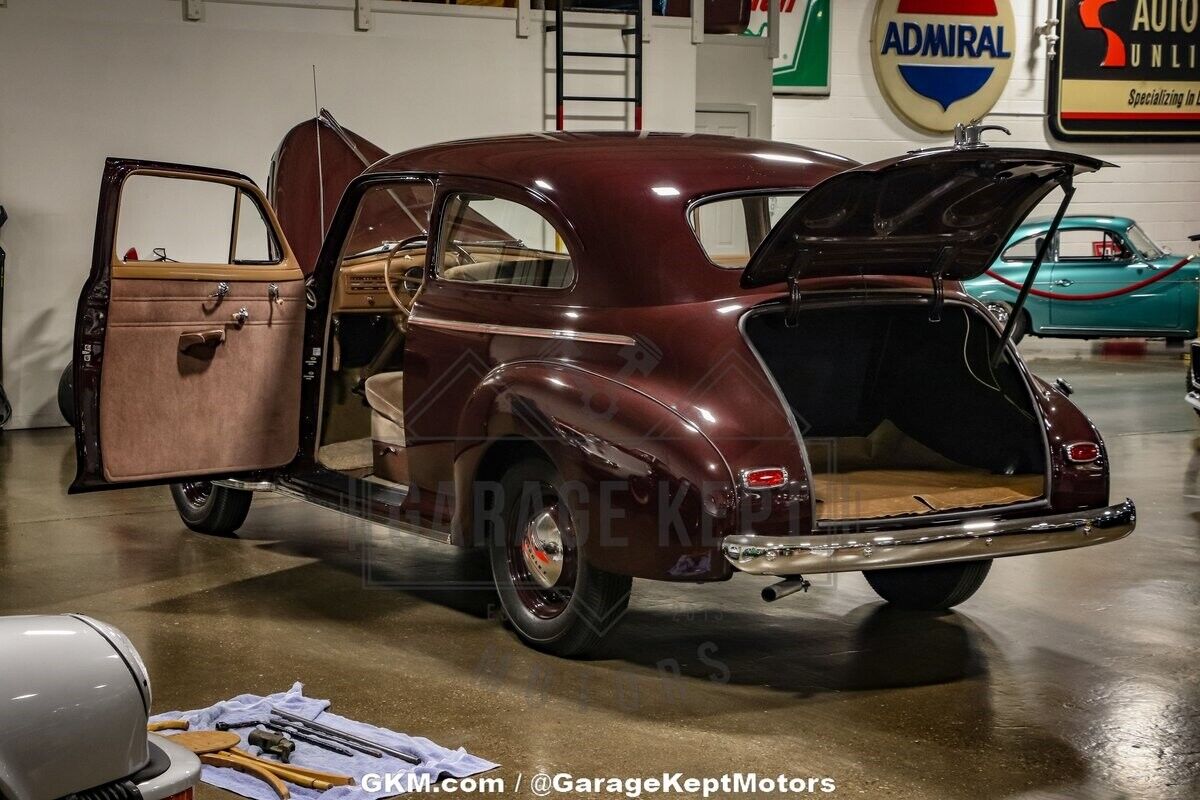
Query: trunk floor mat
{"points": [[874, 493]]}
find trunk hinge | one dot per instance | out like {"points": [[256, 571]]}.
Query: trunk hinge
{"points": [[1068, 186], [799, 266], [939, 269]]}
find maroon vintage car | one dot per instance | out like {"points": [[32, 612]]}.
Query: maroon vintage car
{"points": [[601, 356]]}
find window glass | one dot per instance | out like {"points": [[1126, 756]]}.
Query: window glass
{"points": [[255, 242], [1024, 250], [1144, 244], [191, 221], [730, 229], [387, 214], [1089, 244], [492, 240]]}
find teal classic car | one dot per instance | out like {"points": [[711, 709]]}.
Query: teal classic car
{"points": [[1083, 289]]}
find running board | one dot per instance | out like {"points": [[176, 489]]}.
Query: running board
{"points": [[371, 501]]}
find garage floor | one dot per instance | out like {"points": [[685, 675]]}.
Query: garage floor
{"points": [[1068, 675]]}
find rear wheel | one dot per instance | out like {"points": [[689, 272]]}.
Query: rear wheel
{"points": [[208, 508], [938, 586], [555, 600], [66, 394]]}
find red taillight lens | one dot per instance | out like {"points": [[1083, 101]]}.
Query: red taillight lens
{"points": [[764, 477], [1082, 452]]}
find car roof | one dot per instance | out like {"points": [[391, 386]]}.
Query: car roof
{"points": [[1074, 221], [693, 163], [623, 198]]}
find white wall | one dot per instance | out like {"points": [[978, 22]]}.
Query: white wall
{"points": [[733, 73], [85, 79], [1157, 184]]}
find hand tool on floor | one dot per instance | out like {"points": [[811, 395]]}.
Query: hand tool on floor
{"points": [[292, 731], [219, 749], [168, 725], [328, 777], [273, 742], [348, 739]]}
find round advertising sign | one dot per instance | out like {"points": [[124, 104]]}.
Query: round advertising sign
{"points": [[941, 62]]}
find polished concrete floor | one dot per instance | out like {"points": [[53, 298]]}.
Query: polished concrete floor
{"points": [[1068, 675]]}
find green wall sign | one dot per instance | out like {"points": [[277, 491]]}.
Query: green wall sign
{"points": [[803, 63]]}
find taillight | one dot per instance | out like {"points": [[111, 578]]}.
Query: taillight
{"points": [[1082, 452], [764, 477]]}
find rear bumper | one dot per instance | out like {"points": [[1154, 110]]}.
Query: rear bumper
{"points": [[182, 772], [968, 541]]}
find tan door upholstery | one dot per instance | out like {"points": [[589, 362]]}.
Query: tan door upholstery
{"points": [[224, 404], [385, 395]]}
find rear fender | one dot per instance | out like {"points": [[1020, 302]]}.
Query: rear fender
{"points": [[649, 492], [1072, 486]]}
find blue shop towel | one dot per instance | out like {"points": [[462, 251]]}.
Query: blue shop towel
{"points": [[435, 760]]}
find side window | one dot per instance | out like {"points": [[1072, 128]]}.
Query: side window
{"points": [[387, 214], [487, 239], [730, 229], [192, 221], [1024, 250], [1090, 244]]}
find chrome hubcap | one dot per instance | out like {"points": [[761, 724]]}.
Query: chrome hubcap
{"points": [[542, 549], [197, 492]]}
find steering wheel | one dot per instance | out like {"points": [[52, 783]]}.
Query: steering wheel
{"points": [[409, 280]]}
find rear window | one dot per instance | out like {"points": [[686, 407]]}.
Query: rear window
{"points": [[731, 228]]}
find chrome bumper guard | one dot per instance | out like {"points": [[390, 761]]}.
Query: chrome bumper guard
{"points": [[851, 551]]}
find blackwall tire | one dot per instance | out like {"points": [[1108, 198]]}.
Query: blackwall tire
{"points": [[553, 598], [66, 394], [210, 509], [932, 588]]}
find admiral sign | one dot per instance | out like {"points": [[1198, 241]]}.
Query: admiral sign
{"points": [[941, 62], [1127, 70]]}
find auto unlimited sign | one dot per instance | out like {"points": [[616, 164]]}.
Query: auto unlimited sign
{"points": [[1127, 70]]}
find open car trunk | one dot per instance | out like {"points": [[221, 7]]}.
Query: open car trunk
{"points": [[902, 416]]}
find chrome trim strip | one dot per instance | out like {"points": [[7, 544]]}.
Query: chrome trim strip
{"points": [[246, 486], [967, 541], [515, 330]]}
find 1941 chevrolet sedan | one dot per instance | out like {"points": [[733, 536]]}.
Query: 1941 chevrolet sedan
{"points": [[602, 357]]}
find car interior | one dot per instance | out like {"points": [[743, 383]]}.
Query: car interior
{"points": [[484, 240]]}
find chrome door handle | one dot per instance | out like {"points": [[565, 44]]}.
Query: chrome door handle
{"points": [[222, 290], [1063, 282], [240, 316]]}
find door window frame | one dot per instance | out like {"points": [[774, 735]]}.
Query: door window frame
{"points": [[284, 267], [452, 185]]}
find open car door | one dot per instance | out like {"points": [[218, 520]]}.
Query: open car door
{"points": [[189, 330]]}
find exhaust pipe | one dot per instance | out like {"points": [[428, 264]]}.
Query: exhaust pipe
{"points": [[784, 588]]}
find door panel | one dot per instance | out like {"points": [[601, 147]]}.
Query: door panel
{"points": [[168, 409], [186, 368], [1093, 261]]}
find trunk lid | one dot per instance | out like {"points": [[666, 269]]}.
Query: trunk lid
{"points": [[943, 213]]}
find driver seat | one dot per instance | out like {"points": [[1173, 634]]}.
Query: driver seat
{"points": [[385, 395]]}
